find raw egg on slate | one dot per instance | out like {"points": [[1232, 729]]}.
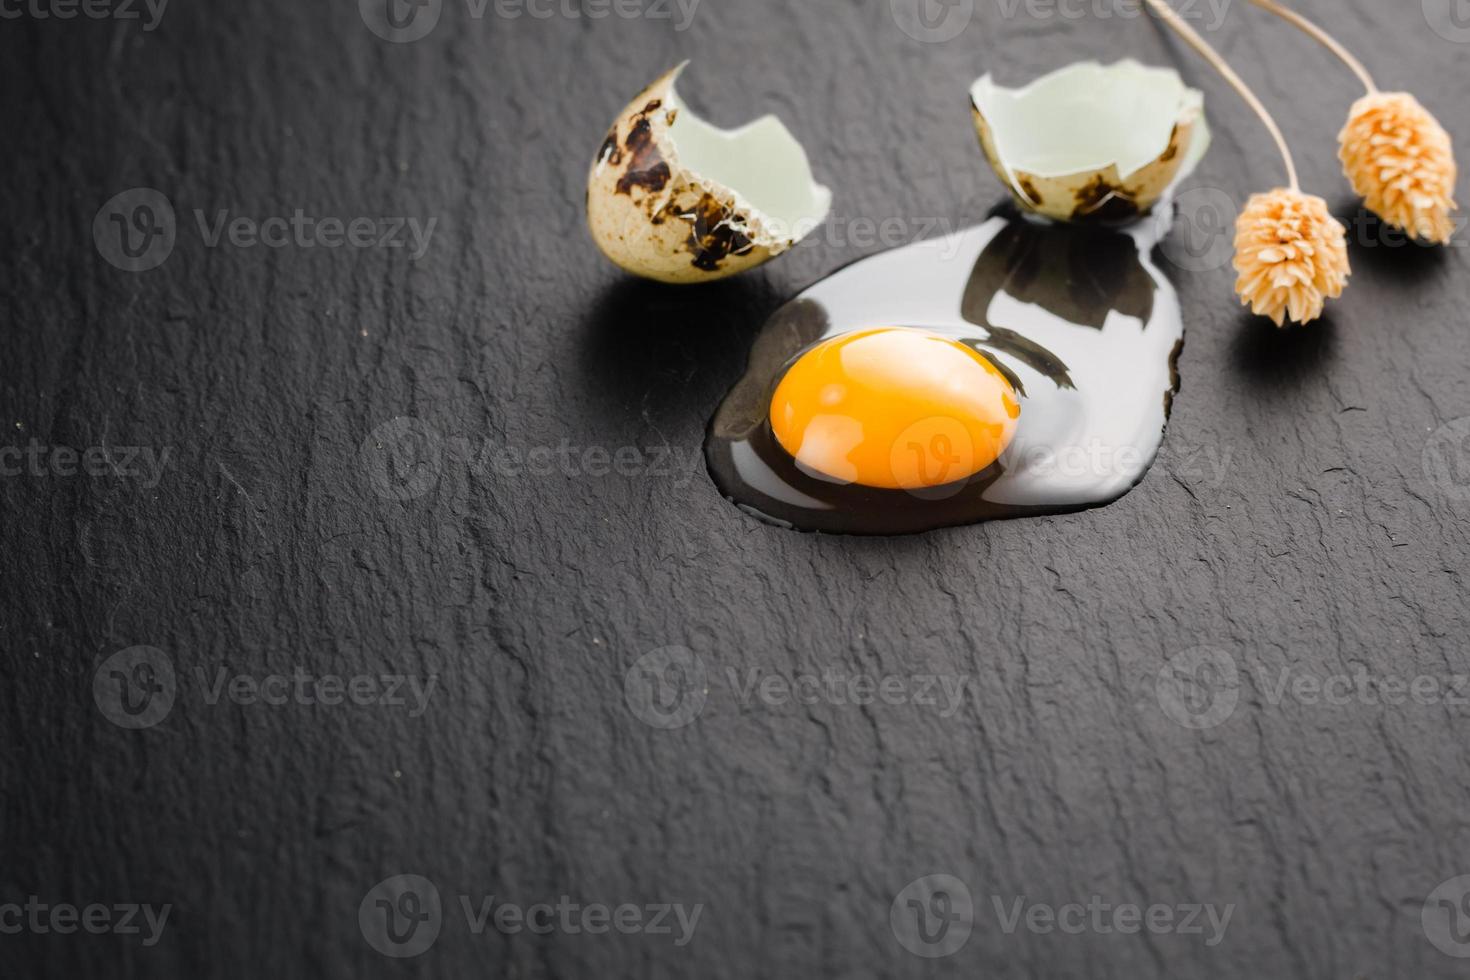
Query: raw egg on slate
{"points": [[1019, 367]]}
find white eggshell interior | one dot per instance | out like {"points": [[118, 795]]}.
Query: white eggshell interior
{"points": [[1086, 116], [761, 163]]}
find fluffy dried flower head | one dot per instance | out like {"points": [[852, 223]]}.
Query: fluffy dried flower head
{"points": [[1400, 161], [1291, 255]]}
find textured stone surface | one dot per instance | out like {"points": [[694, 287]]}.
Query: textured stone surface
{"points": [[1291, 525]]}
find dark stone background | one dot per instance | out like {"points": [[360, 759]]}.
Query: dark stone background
{"points": [[1308, 515]]}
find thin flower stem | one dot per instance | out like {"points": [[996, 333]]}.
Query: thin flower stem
{"points": [[1326, 40], [1168, 16]]}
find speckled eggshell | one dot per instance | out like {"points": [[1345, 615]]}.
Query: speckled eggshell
{"points": [[654, 219], [1101, 195]]}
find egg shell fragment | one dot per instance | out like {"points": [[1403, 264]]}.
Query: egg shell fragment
{"points": [[655, 216], [1091, 142]]}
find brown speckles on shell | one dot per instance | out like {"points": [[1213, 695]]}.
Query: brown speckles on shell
{"points": [[713, 235], [1172, 149], [1029, 190], [647, 167], [610, 153], [1101, 200]]}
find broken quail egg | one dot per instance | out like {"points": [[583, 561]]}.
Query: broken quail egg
{"points": [[674, 198], [1091, 142]]}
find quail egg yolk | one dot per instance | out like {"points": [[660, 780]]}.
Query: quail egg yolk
{"points": [[894, 408]]}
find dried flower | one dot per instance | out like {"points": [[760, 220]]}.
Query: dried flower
{"points": [[1291, 255], [1397, 156], [1400, 161]]}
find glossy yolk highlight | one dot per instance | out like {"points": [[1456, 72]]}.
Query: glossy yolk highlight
{"points": [[894, 408]]}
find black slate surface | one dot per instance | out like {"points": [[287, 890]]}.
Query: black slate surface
{"points": [[1306, 521]]}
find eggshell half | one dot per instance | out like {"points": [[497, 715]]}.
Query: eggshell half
{"points": [[673, 198], [1091, 142]]}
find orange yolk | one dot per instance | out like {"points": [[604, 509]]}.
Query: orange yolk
{"points": [[894, 408]]}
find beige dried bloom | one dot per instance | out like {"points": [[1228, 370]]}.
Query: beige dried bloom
{"points": [[1400, 160], [1291, 255]]}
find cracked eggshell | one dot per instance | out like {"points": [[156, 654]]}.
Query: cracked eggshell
{"points": [[1091, 142], [673, 198]]}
